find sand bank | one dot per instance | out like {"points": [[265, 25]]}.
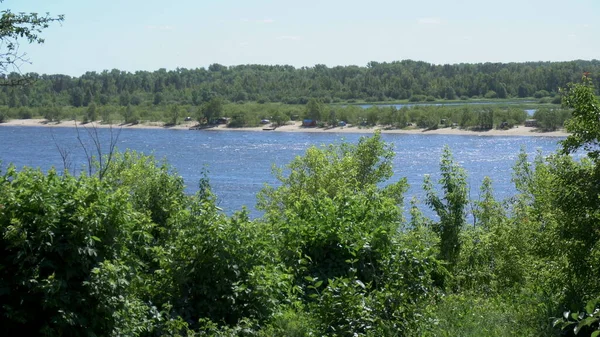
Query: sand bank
{"points": [[294, 127]]}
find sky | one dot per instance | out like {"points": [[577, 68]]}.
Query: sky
{"points": [[134, 35]]}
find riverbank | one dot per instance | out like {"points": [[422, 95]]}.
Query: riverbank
{"points": [[293, 127]]}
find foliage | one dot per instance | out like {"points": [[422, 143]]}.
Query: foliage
{"points": [[380, 81], [584, 323], [551, 119], [584, 125], [451, 208], [56, 233], [337, 230], [210, 110]]}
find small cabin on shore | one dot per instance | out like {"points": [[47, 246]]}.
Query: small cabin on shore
{"points": [[531, 123]]}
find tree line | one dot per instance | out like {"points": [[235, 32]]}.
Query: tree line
{"points": [[378, 81]]}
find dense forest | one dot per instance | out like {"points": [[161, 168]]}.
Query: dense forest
{"points": [[251, 93], [377, 82], [123, 251]]}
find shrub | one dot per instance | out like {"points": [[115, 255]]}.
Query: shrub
{"points": [[491, 94]]}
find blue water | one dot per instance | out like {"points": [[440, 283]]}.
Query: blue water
{"points": [[239, 163]]}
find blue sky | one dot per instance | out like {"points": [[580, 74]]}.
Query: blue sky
{"points": [[149, 34]]}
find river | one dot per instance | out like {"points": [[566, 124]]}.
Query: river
{"points": [[239, 163]]}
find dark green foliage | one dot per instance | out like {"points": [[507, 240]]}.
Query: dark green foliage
{"points": [[380, 81], [91, 113], [210, 110], [551, 119], [584, 125], [582, 323], [56, 232], [338, 232], [451, 208]]}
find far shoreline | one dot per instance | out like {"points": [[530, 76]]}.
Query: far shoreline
{"points": [[292, 127]]}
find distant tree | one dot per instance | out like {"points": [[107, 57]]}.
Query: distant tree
{"points": [[541, 94], [105, 115], [136, 99], [502, 93], [211, 110], [91, 113], [332, 120], [53, 113], [77, 97], [124, 99], [279, 118], [314, 109], [13, 102], [522, 91], [87, 98], [196, 97], [491, 94], [158, 98], [129, 115], [104, 99], [174, 114], [450, 93]]}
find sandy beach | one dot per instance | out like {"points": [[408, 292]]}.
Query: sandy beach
{"points": [[292, 127]]}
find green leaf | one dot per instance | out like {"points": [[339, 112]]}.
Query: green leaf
{"points": [[595, 333], [95, 238], [318, 284], [360, 283], [586, 322], [590, 307]]}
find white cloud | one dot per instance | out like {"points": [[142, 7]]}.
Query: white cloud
{"points": [[429, 21]]}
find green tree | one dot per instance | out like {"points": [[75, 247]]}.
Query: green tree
{"points": [[77, 97], [451, 208], [584, 125], [158, 98], [328, 190], [314, 109], [279, 118], [91, 113], [450, 93], [211, 110], [174, 114]]}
